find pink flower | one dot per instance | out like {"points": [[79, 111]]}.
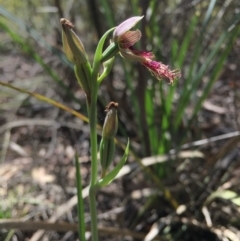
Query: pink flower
{"points": [[126, 39]]}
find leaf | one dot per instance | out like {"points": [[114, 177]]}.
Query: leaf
{"points": [[47, 100], [112, 174], [224, 194], [98, 54]]}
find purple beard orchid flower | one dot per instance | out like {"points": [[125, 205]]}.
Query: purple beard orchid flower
{"points": [[126, 39]]}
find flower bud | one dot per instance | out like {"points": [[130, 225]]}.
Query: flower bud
{"points": [[75, 52], [111, 122], [107, 145], [72, 45]]}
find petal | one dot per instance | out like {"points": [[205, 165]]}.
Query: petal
{"points": [[125, 26], [129, 38], [144, 54], [136, 55], [128, 54]]}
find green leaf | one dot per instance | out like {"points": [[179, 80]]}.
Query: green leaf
{"points": [[224, 194], [98, 55], [186, 41], [112, 174], [150, 117]]}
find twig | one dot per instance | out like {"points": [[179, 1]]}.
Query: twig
{"points": [[65, 227], [208, 140], [18, 149]]}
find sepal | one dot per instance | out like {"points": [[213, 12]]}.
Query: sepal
{"points": [[107, 67]]}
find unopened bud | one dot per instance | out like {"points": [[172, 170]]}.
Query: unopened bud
{"points": [[75, 52], [72, 45], [107, 145], [111, 121]]}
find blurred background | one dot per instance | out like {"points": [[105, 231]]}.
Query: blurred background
{"points": [[183, 182]]}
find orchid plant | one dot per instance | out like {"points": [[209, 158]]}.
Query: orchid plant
{"points": [[89, 79]]}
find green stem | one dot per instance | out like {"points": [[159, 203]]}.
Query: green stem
{"points": [[93, 212], [92, 112], [80, 205]]}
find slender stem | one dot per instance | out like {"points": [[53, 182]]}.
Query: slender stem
{"points": [[93, 137], [80, 205], [93, 212], [92, 112]]}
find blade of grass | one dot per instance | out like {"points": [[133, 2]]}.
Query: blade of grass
{"points": [[152, 128], [192, 70], [196, 80], [229, 35], [186, 41], [47, 100], [129, 83], [217, 70], [179, 59], [108, 13], [9, 235]]}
